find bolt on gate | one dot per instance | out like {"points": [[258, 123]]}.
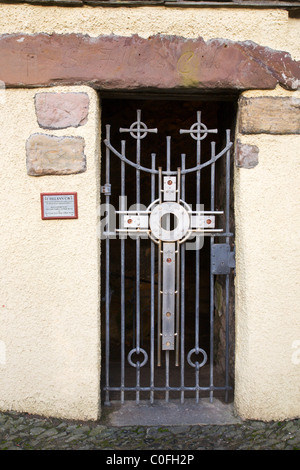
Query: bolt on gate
{"points": [[168, 223]]}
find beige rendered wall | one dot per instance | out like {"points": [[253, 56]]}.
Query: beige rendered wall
{"points": [[49, 315], [49, 280], [267, 221], [267, 27]]}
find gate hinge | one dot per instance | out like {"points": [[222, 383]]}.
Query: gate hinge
{"points": [[106, 189], [222, 259]]}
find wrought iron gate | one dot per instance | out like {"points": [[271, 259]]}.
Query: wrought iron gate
{"points": [[168, 223]]}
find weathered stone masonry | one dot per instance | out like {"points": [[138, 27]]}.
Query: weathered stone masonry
{"points": [[61, 110], [116, 62], [53, 155]]}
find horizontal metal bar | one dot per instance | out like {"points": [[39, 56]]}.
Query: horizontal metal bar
{"points": [[218, 234], [206, 212], [163, 389], [108, 233], [221, 234], [203, 230], [206, 234], [137, 212], [133, 230]]}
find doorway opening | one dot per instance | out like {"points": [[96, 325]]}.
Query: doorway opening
{"points": [[188, 373]]}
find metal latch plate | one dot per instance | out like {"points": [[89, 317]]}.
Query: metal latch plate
{"points": [[222, 259]]}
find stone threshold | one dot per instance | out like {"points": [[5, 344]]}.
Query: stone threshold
{"points": [[173, 413]]}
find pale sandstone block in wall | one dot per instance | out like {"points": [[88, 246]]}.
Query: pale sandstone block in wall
{"points": [[270, 115], [51, 155], [246, 155], [61, 110]]}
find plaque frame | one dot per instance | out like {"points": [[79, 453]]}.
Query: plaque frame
{"points": [[58, 216]]}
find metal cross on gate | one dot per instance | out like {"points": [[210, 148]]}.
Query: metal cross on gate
{"points": [[169, 222]]}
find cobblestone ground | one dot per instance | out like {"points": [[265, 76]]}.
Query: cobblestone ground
{"points": [[26, 432]]}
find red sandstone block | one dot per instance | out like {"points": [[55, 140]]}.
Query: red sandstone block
{"points": [[61, 110]]}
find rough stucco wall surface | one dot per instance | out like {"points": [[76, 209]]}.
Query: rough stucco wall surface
{"points": [[270, 28], [49, 307], [49, 281], [267, 279]]}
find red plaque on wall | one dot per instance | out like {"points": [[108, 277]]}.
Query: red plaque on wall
{"points": [[59, 206]]}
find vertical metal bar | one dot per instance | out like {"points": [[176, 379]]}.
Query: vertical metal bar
{"points": [[212, 205], [227, 275], [227, 337], [137, 294], [137, 308], [138, 160], [138, 247], [107, 289], [197, 254], [160, 185], [167, 220], [168, 153], [182, 297], [227, 185], [167, 356], [177, 280], [122, 208], [152, 322], [159, 280], [177, 297], [178, 184]]}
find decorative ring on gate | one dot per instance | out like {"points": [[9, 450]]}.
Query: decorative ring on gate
{"points": [[135, 351], [198, 131], [182, 218], [138, 130], [197, 351]]}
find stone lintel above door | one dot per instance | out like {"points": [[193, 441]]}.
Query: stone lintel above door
{"points": [[160, 62]]}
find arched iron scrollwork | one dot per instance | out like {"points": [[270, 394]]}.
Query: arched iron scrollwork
{"points": [[165, 172], [170, 244]]}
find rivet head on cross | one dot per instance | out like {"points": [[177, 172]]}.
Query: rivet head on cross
{"points": [[138, 130], [198, 131]]}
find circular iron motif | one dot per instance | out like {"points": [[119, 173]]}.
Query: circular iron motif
{"points": [[137, 352], [182, 219], [197, 351]]}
